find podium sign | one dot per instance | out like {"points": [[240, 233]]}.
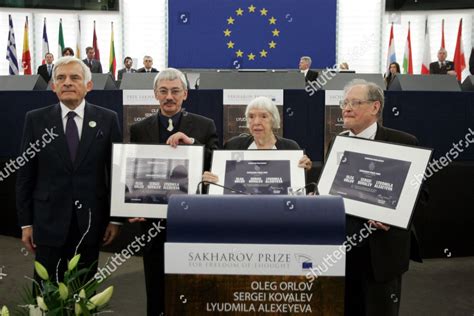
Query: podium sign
{"points": [[137, 106], [253, 255]]}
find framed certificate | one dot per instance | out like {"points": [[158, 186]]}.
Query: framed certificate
{"points": [[145, 176], [378, 180], [257, 171]]}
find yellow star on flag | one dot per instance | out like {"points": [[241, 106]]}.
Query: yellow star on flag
{"points": [[227, 32], [263, 53], [239, 53], [230, 44], [239, 11], [272, 20], [251, 56], [276, 32], [252, 8], [230, 20], [263, 11], [272, 44]]}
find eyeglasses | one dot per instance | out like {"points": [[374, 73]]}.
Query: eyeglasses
{"points": [[353, 104], [174, 92]]}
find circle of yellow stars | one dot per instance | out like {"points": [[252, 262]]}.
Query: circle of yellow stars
{"points": [[250, 54]]}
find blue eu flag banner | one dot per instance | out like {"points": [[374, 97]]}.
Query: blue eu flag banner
{"points": [[251, 34]]}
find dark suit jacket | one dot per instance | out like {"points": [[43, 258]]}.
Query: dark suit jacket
{"points": [[201, 128], [436, 70], [43, 72], [49, 184], [243, 142], [96, 67], [143, 69], [311, 75], [390, 251], [388, 80], [122, 71]]}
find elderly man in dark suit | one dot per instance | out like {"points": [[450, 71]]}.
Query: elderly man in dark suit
{"points": [[94, 65], [174, 127], [305, 64], [442, 66], [62, 190], [147, 65], [46, 70], [374, 267]]}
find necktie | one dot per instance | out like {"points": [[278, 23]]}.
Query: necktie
{"points": [[72, 135], [49, 70], [170, 125]]}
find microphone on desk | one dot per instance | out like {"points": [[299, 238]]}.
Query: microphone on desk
{"points": [[315, 191], [199, 188]]}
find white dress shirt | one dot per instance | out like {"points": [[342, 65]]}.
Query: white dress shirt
{"points": [[368, 133], [253, 145]]}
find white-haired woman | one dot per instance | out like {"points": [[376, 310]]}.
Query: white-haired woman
{"points": [[262, 119]]}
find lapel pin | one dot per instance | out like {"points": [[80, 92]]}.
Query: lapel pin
{"points": [[92, 124]]}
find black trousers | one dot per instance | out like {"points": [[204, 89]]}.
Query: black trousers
{"points": [[364, 296], [154, 267], [55, 259]]}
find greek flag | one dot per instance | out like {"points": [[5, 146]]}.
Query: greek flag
{"points": [[11, 50]]}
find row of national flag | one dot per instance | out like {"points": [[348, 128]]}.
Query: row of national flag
{"points": [[459, 57], [14, 69]]}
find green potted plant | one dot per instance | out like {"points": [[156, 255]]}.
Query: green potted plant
{"points": [[73, 296]]}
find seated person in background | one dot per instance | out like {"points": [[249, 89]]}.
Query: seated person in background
{"points": [[128, 63], [262, 117], [94, 65], [344, 66], [68, 51], [442, 66], [46, 70], [147, 63], [393, 70], [309, 75]]}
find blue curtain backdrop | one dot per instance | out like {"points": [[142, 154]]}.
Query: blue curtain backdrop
{"points": [[251, 34]]}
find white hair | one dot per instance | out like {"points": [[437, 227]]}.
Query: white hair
{"points": [[374, 92], [306, 59], [86, 72], [264, 103], [170, 74]]}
